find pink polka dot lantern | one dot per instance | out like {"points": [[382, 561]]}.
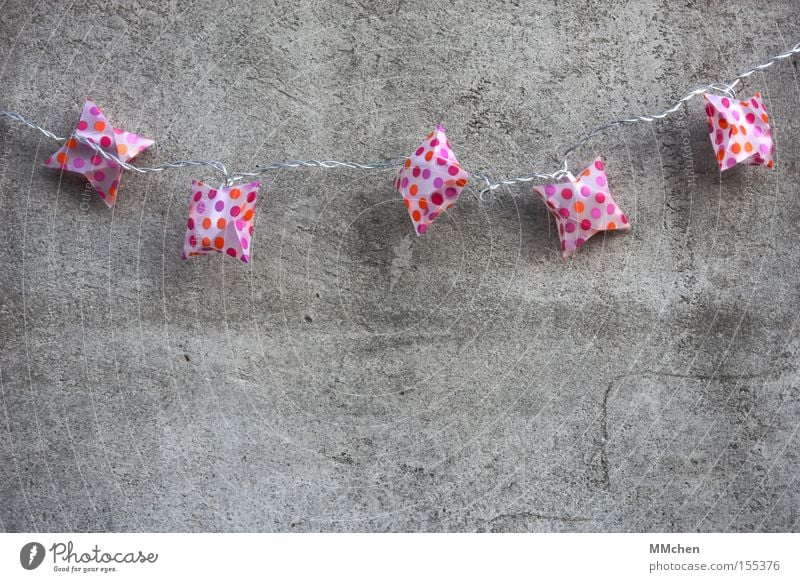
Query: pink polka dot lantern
{"points": [[739, 131], [103, 174], [431, 180], [582, 207], [221, 220]]}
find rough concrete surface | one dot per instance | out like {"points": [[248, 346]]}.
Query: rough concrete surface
{"points": [[353, 376]]}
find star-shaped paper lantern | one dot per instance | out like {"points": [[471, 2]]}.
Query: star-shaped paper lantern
{"points": [[431, 180], [221, 220], [582, 207], [740, 131], [78, 157]]}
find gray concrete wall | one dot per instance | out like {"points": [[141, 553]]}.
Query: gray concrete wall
{"points": [[354, 377]]}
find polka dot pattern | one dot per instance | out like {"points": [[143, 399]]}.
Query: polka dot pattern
{"points": [[431, 180], [221, 220], [582, 207], [740, 131], [104, 175]]}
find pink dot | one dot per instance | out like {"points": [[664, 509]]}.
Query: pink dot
{"points": [[245, 258], [452, 170], [730, 162], [451, 192], [219, 206], [438, 182], [726, 102], [201, 208], [404, 182], [586, 224], [96, 160], [579, 242], [420, 149], [719, 137], [99, 176], [251, 231], [437, 199], [240, 226], [599, 165], [78, 163], [433, 216], [566, 193], [563, 212], [600, 197], [570, 227], [758, 131], [245, 242], [426, 173], [131, 138], [624, 219], [434, 142], [82, 125], [735, 114], [585, 191], [549, 189], [421, 228], [601, 180], [595, 213], [764, 148], [611, 209], [235, 211], [94, 111], [117, 131], [750, 118], [443, 152]]}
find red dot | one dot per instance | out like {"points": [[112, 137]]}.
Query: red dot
{"points": [[452, 170], [105, 141], [586, 224], [437, 198]]}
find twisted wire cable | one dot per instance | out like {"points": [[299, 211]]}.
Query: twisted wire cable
{"points": [[396, 162]]}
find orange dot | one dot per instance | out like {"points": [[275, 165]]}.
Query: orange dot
{"points": [[206, 223], [406, 202], [99, 126], [72, 143], [413, 190], [221, 223], [745, 104], [248, 215], [764, 118], [206, 241], [429, 155], [461, 182], [723, 124], [430, 135], [743, 129], [449, 206], [720, 154], [579, 206], [734, 130], [416, 215], [122, 149], [748, 147], [612, 226], [62, 158], [219, 242], [408, 163], [423, 203], [235, 193], [585, 172], [736, 148], [770, 164]]}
